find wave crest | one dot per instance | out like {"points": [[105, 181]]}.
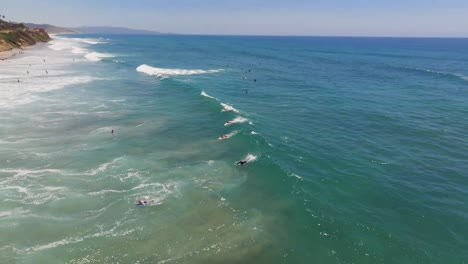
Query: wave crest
{"points": [[162, 72], [96, 56]]}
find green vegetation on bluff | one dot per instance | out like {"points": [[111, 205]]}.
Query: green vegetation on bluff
{"points": [[16, 35]]}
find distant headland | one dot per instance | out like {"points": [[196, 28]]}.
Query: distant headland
{"points": [[17, 35]]}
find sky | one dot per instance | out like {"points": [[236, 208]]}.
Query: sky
{"points": [[404, 18]]}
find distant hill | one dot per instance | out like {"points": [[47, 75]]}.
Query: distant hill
{"points": [[50, 28], [113, 30]]}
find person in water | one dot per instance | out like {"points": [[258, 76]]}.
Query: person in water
{"points": [[242, 162], [112, 132], [223, 136], [145, 202]]}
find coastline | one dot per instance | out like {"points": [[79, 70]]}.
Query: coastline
{"points": [[8, 54], [13, 53]]}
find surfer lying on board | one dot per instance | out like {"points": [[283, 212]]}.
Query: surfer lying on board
{"points": [[247, 159], [223, 137], [242, 162], [145, 202]]}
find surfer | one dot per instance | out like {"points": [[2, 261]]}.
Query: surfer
{"points": [[242, 162], [223, 137], [145, 202], [113, 132]]}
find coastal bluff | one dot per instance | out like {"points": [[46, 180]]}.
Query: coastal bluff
{"points": [[17, 35]]}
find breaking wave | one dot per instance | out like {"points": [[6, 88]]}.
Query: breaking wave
{"points": [[96, 56], [162, 72]]}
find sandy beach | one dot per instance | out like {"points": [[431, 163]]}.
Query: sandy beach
{"points": [[9, 53]]}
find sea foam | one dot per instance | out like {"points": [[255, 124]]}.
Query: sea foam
{"points": [[236, 120], [162, 72], [96, 56], [227, 107], [207, 95]]}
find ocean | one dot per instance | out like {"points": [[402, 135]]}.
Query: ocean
{"points": [[356, 150]]}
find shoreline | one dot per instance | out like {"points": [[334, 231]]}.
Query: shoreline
{"points": [[13, 53], [8, 54]]}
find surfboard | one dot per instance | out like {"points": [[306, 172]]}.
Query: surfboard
{"points": [[149, 203]]}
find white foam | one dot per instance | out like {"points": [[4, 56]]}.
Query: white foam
{"points": [[101, 192], [226, 136], [13, 93], [207, 95], [227, 107], [236, 120], [93, 42], [62, 43], [103, 130], [19, 188], [162, 72], [104, 166], [249, 158], [78, 50], [96, 56], [26, 172], [13, 212], [41, 71], [73, 240]]}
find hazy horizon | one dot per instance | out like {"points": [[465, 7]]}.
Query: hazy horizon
{"points": [[258, 17]]}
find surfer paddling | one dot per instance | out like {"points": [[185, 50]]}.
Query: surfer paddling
{"points": [[247, 159], [145, 202]]}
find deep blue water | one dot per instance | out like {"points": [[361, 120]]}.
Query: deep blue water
{"points": [[360, 147]]}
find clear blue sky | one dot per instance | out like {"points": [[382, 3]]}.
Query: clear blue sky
{"points": [[417, 18]]}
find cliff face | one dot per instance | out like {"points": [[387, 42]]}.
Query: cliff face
{"points": [[15, 35]]}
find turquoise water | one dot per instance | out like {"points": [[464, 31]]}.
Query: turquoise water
{"points": [[358, 145]]}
